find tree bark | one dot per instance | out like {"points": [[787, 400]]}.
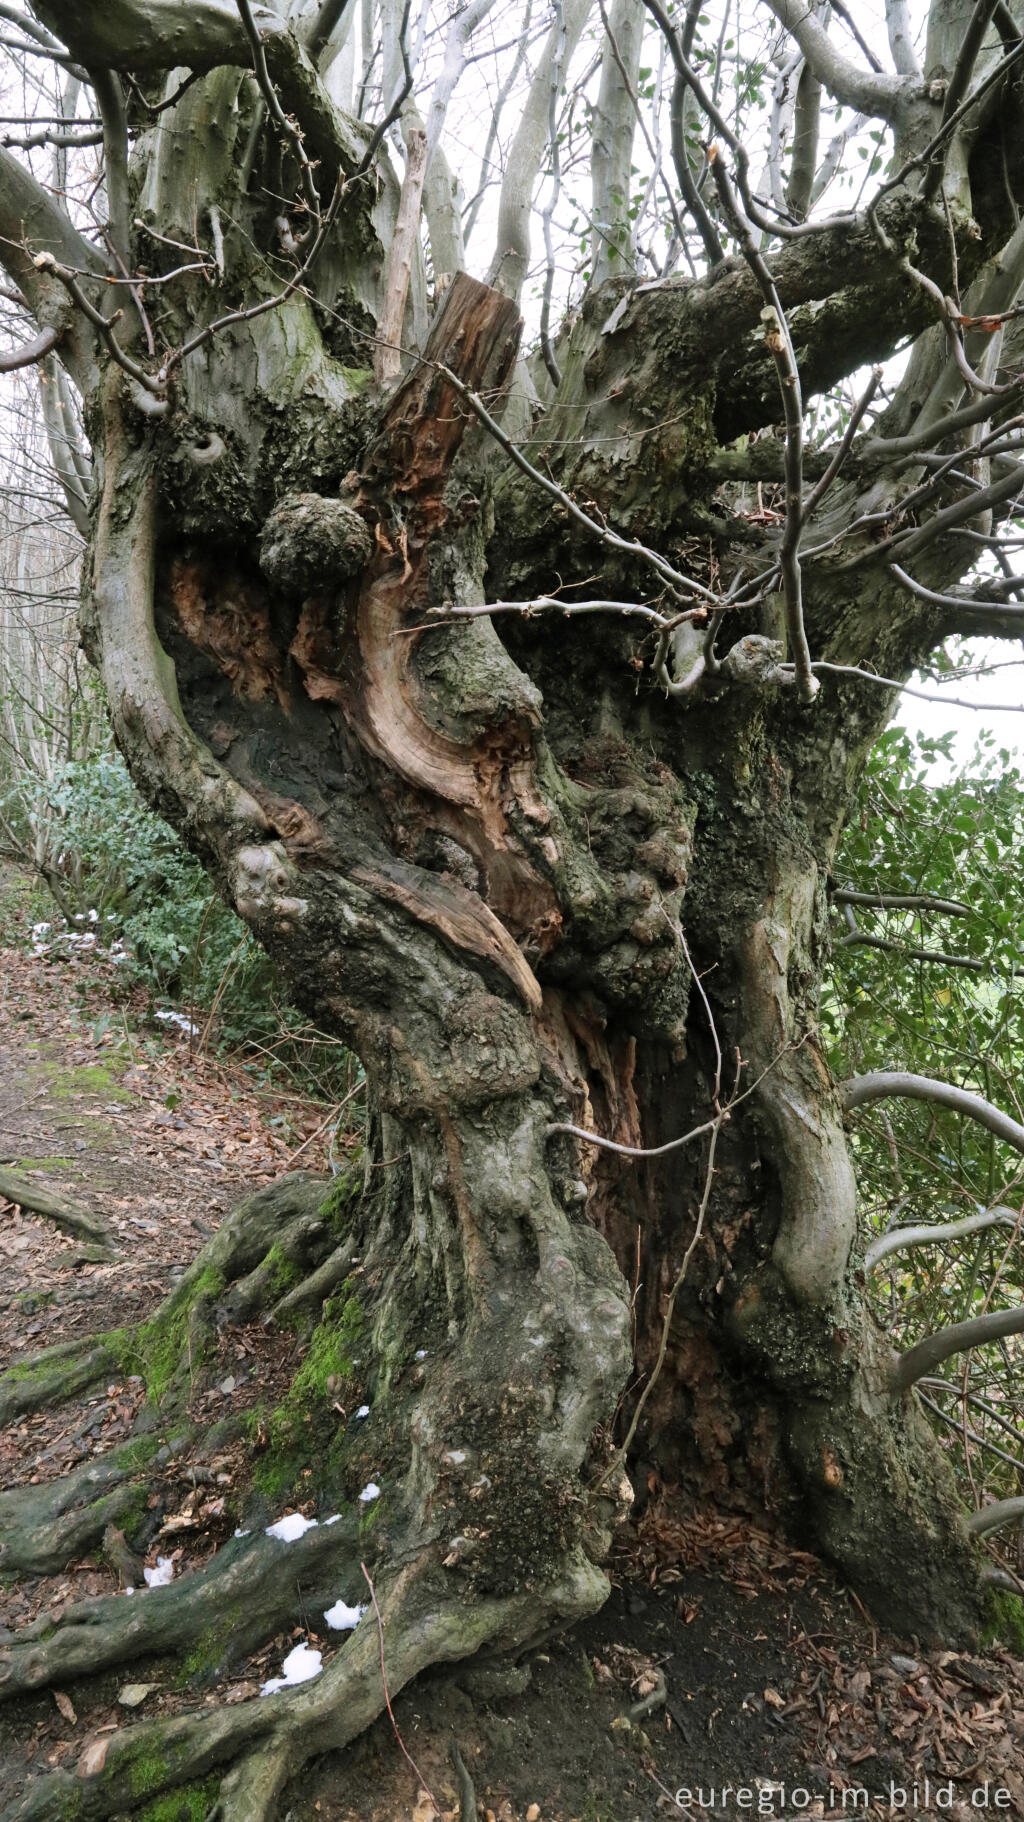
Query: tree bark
{"points": [[547, 904]]}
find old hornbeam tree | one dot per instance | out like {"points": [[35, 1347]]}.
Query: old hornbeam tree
{"points": [[516, 700]]}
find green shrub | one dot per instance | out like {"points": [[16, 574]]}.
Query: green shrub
{"points": [[126, 876]]}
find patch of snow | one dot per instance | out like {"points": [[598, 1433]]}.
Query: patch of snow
{"points": [[290, 1527], [161, 1575], [456, 1457], [341, 1618], [298, 1667], [177, 1018], [335, 1519], [370, 1491], [241, 1533], [421, 1354], [363, 1411], [129, 1590], [41, 929]]}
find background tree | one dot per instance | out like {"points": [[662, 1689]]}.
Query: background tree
{"points": [[518, 707]]}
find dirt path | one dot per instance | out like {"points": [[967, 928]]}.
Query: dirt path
{"points": [[158, 1142], [722, 1659]]}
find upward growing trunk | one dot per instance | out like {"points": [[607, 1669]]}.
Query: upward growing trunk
{"points": [[590, 909], [545, 902]]}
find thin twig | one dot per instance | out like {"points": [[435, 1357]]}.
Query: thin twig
{"points": [[387, 1694], [288, 127], [152, 383], [780, 346]]}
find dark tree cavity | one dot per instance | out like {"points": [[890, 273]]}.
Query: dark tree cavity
{"points": [[521, 727]]}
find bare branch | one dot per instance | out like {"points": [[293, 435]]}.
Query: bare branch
{"points": [[552, 604], [147, 37], [32, 222], [636, 1151], [864, 939], [398, 271], [992, 1518], [959, 1338], [822, 485], [780, 346], [882, 1084], [324, 24], [30, 352], [870, 91], [901, 37], [110, 100], [547, 214], [804, 163], [905, 1239], [979, 604], [900, 901], [910, 689], [614, 123], [288, 129], [156, 384], [526, 155]]}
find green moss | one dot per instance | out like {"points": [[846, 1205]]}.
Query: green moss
{"points": [[87, 1078], [303, 1428], [132, 1515], [205, 1655], [148, 1771], [137, 1453], [370, 1515], [277, 1473], [1004, 1620], [330, 1347], [27, 1302], [172, 1342], [26, 1370], [283, 1272], [25, 1165], [346, 1188], [192, 1804]]}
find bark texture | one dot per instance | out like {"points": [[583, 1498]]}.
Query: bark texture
{"points": [[531, 890]]}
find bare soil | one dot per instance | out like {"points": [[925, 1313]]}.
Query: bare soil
{"points": [[727, 1675]]}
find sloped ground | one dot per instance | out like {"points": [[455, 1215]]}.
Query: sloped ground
{"points": [[724, 1666]]}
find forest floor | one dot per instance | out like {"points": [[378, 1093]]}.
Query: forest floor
{"points": [[727, 1675]]}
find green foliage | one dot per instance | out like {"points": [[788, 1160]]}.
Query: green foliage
{"points": [[960, 838], [125, 876], [122, 861]]}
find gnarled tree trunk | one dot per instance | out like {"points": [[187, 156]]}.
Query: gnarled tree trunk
{"points": [[547, 903]]}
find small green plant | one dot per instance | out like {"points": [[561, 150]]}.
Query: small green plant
{"points": [[126, 880]]}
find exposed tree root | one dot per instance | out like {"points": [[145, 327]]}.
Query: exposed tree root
{"points": [[256, 1746], [44, 1527], [482, 1538], [310, 1292], [253, 1588], [71, 1217], [467, 1793], [53, 1375]]}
